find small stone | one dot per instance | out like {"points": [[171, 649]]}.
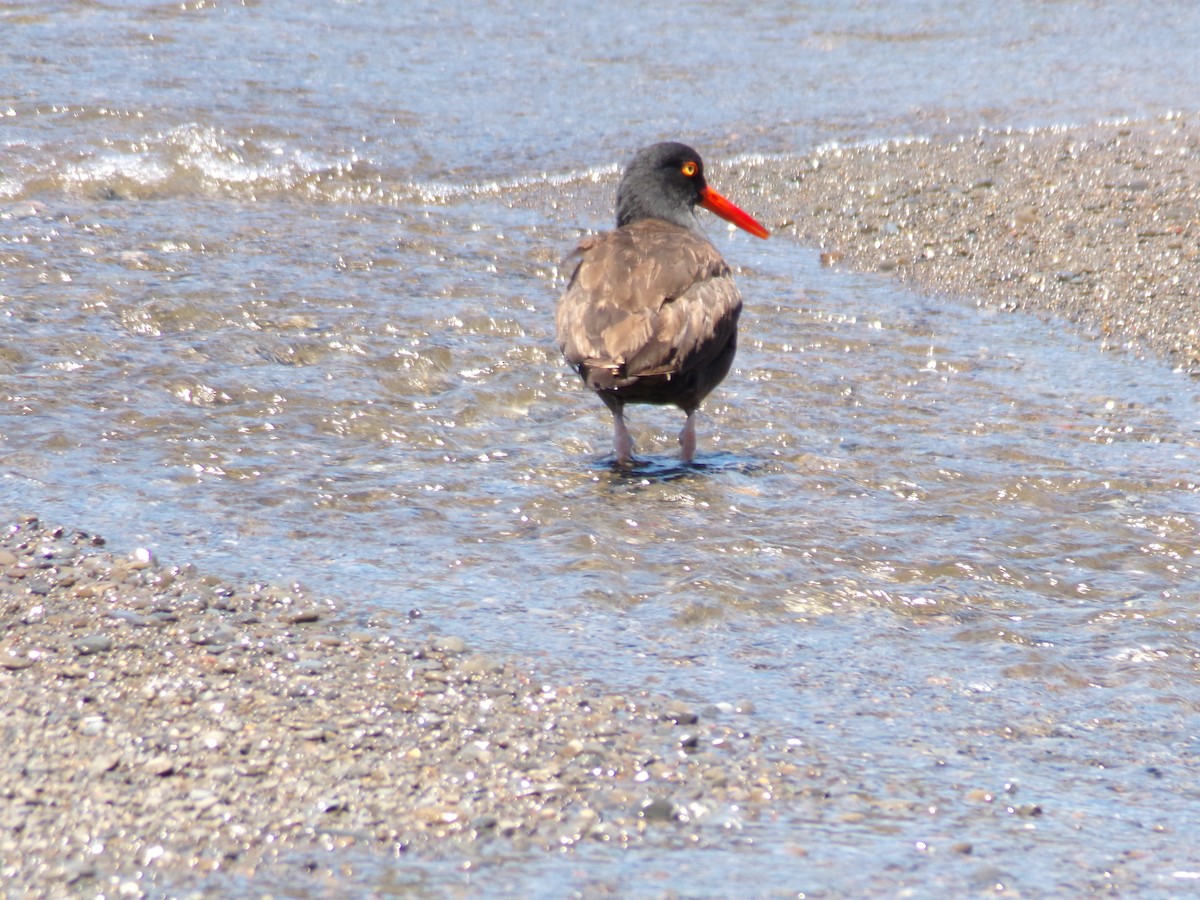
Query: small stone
{"points": [[215, 637], [202, 799], [302, 616], [485, 823], [592, 753], [435, 815], [93, 643], [161, 766], [12, 662], [680, 713], [572, 748], [329, 805], [448, 644], [479, 664], [92, 725], [475, 752], [105, 762], [141, 558], [128, 616], [657, 810]]}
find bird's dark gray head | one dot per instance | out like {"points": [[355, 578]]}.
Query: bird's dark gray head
{"points": [[666, 181], [663, 181]]}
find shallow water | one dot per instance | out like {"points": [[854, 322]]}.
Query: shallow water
{"points": [[291, 316]]}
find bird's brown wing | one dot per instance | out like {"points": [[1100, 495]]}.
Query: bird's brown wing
{"points": [[649, 299]]}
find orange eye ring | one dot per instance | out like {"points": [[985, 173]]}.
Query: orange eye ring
{"points": [[689, 169]]}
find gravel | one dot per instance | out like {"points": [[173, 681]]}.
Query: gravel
{"points": [[160, 725], [1096, 226]]}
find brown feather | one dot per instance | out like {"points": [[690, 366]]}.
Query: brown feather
{"points": [[650, 315]]}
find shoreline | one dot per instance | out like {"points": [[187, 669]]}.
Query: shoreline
{"points": [[1097, 225], [165, 727]]}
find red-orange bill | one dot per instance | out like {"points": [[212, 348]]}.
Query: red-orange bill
{"points": [[715, 203]]}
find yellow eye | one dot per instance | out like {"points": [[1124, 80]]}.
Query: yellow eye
{"points": [[689, 168]]}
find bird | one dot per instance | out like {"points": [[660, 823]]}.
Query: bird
{"points": [[650, 313]]}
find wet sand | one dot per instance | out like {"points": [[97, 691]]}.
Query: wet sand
{"points": [[161, 725], [1098, 226]]}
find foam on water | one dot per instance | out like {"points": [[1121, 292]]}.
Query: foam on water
{"points": [[195, 160]]}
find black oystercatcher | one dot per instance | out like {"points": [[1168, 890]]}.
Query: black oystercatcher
{"points": [[650, 314]]}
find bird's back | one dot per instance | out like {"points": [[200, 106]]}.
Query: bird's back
{"points": [[650, 314]]}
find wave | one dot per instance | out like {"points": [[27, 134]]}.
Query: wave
{"points": [[186, 160], [206, 161]]}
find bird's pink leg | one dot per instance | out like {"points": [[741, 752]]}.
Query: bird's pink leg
{"points": [[687, 439], [622, 442]]}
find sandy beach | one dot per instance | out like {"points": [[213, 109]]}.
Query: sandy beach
{"points": [[162, 726], [1098, 226]]}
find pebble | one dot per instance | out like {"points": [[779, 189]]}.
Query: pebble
{"points": [[141, 558], [680, 713], [448, 644], [12, 660], [303, 616], [105, 762], [160, 766], [658, 810], [93, 643]]}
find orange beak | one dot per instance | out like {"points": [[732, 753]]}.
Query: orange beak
{"points": [[715, 203]]}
